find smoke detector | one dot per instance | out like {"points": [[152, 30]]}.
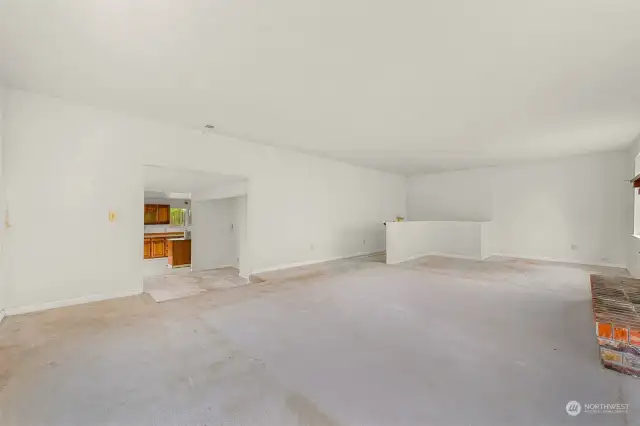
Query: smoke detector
{"points": [[210, 126]]}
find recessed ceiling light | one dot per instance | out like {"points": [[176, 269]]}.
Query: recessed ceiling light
{"points": [[209, 126]]}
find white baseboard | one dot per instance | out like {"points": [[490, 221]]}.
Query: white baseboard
{"points": [[431, 253], [215, 267], [365, 255], [68, 302], [417, 256], [550, 259], [456, 256], [313, 262], [514, 256], [2, 314], [226, 266]]}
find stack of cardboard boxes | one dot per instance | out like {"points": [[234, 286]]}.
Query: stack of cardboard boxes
{"points": [[616, 310]]}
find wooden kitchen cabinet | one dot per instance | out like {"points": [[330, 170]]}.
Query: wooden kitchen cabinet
{"points": [[150, 214], [163, 214], [157, 247], [147, 248], [157, 214], [179, 253]]}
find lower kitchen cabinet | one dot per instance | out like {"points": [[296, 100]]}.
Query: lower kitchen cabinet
{"points": [[147, 248], [179, 252], [157, 247]]}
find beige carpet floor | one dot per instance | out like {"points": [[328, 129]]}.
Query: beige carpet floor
{"points": [[169, 287]]}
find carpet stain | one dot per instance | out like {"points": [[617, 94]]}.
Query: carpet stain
{"points": [[307, 413]]}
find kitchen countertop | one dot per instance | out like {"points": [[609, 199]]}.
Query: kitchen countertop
{"points": [[177, 239], [164, 235]]}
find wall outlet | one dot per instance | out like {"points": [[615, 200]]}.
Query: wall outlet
{"points": [[364, 242], [311, 247], [574, 247]]}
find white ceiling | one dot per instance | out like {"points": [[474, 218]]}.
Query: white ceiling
{"points": [[410, 86], [166, 180]]}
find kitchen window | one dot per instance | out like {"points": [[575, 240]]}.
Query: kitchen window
{"points": [[178, 216]]}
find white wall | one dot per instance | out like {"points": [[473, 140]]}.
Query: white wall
{"points": [[67, 165], [3, 282], [224, 190], [242, 247], [572, 209], [459, 196], [213, 234], [410, 240]]}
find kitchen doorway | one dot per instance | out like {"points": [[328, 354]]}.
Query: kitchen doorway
{"points": [[194, 232]]}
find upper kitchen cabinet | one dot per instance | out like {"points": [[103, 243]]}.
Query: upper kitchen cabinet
{"points": [[163, 214], [150, 214], [156, 214]]}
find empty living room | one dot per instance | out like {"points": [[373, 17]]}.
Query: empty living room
{"points": [[355, 213]]}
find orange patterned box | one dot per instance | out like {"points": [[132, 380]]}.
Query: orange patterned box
{"points": [[634, 337], [621, 334], [604, 330]]}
